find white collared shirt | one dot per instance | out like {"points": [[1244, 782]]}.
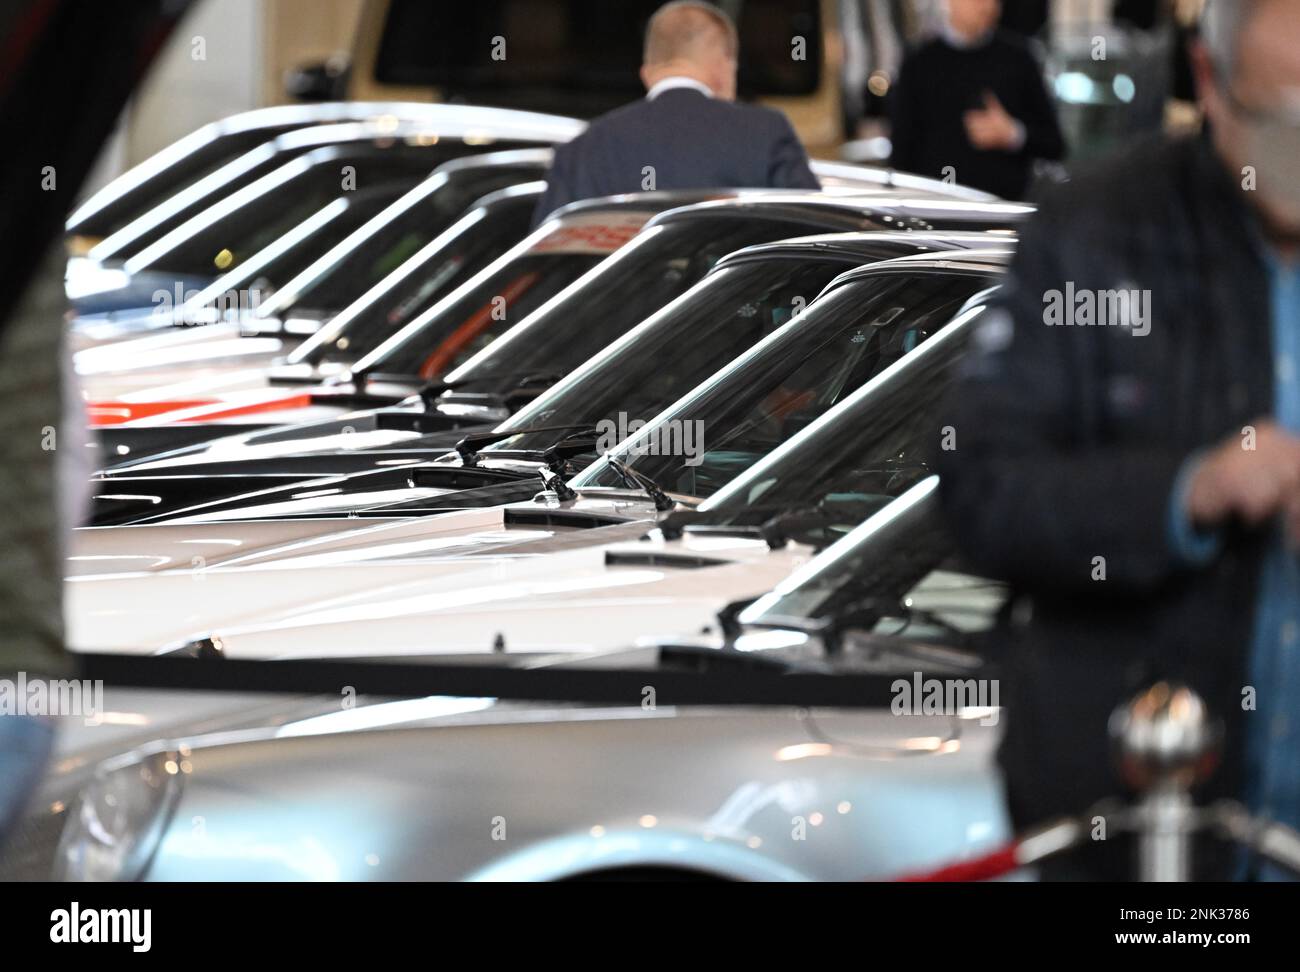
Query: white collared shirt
{"points": [[677, 81]]}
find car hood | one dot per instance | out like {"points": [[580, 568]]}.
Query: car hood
{"points": [[138, 588], [180, 363], [361, 429], [708, 789], [556, 592]]}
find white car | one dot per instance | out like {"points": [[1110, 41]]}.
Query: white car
{"points": [[461, 329], [466, 577], [297, 282], [794, 783]]}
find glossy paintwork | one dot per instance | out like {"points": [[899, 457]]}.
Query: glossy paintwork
{"points": [[455, 789]]}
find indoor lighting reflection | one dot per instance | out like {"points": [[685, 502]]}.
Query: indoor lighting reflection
{"points": [[383, 714], [458, 599], [118, 719], [803, 751]]}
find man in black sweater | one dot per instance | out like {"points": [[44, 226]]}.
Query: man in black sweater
{"points": [[1138, 482], [970, 106]]}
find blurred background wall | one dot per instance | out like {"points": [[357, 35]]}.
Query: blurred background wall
{"points": [[229, 56]]}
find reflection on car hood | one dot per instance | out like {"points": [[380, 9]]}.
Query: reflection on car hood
{"points": [[887, 795], [592, 599], [137, 588], [535, 576], [373, 428]]}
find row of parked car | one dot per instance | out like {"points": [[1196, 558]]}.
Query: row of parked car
{"points": [[350, 406]]}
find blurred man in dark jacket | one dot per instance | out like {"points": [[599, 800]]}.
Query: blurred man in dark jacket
{"points": [[970, 106], [688, 132], [1128, 437]]}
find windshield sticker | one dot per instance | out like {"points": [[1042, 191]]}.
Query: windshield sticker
{"points": [[593, 232]]}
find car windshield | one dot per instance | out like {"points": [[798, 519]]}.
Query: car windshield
{"points": [[110, 212], [659, 266], [770, 394], [504, 294], [897, 573], [396, 234], [732, 309], [884, 558], [307, 185], [292, 252], [849, 464], [417, 284]]}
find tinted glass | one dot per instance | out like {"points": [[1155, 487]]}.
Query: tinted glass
{"points": [[449, 334], [727, 313], [317, 234], [416, 285], [656, 268], [885, 563], [895, 574], [843, 341], [387, 247], [239, 234]]}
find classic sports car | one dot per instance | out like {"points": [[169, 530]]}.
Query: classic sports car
{"points": [[209, 150], [458, 254], [189, 233], [857, 368], [674, 251], [747, 294], [196, 786], [299, 264], [352, 276], [523, 276], [194, 347]]}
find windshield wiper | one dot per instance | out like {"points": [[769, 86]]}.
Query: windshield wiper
{"points": [[431, 391], [523, 380], [468, 447], [635, 480], [773, 530], [555, 483], [782, 528]]}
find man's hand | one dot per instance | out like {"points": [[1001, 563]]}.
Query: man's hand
{"points": [[1251, 484], [991, 128]]}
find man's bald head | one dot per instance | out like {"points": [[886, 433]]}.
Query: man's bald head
{"points": [[690, 38]]}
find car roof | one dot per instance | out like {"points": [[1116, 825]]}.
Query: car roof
{"points": [[860, 211], [658, 200], [497, 160], [851, 174], [990, 260], [389, 129], [331, 121], [845, 200], [856, 246]]}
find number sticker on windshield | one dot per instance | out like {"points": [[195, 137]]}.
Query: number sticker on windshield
{"points": [[592, 232]]}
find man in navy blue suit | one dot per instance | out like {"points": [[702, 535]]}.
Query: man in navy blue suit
{"points": [[688, 132]]}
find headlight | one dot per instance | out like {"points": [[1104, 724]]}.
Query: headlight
{"points": [[117, 820]]}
